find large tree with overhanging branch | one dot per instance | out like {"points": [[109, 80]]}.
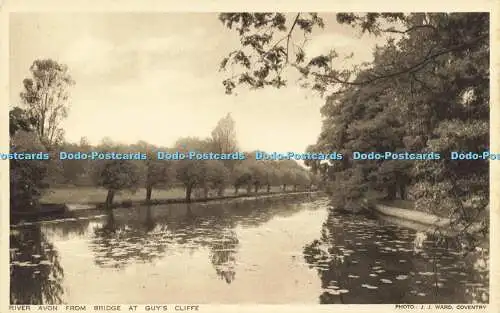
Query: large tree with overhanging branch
{"points": [[426, 90]]}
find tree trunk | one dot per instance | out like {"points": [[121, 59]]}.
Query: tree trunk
{"points": [[205, 192], [249, 188], [391, 192], [256, 188], [268, 188], [220, 192], [295, 188], [284, 187], [402, 191], [189, 213], [109, 198], [110, 226], [236, 188], [149, 191], [150, 224], [189, 190]]}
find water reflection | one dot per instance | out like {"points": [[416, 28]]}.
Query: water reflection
{"points": [[123, 239], [136, 235], [361, 261], [117, 244], [222, 256], [141, 235], [35, 269], [68, 228], [260, 251]]}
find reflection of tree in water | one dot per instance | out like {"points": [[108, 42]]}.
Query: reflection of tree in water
{"points": [[257, 212], [147, 233], [223, 255], [359, 261], [35, 271], [68, 227], [150, 223], [116, 244]]}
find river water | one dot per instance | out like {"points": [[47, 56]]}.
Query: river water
{"points": [[255, 251]]}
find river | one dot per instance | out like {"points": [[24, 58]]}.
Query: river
{"points": [[268, 251]]}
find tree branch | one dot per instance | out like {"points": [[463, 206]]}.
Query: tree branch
{"points": [[392, 30], [415, 67], [290, 35]]}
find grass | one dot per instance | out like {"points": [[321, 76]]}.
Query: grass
{"points": [[94, 194]]}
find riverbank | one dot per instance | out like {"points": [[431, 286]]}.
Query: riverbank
{"points": [[418, 220], [130, 203], [91, 194], [56, 210]]}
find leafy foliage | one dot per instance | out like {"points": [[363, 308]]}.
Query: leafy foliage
{"points": [[27, 178], [118, 175], [19, 120], [45, 97], [224, 136], [426, 90]]}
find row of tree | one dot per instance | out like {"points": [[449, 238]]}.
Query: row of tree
{"points": [[35, 126], [204, 175]]}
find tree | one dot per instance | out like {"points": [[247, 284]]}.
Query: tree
{"points": [[315, 182], [268, 46], [192, 173], [271, 174], [217, 176], [224, 135], [224, 138], [45, 96], [240, 176], [117, 175], [258, 174], [427, 90], [20, 120], [72, 170], [84, 143], [158, 173], [302, 180], [287, 173], [85, 147], [288, 178], [27, 178]]}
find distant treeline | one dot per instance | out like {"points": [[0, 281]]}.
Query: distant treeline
{"points": [[208, 175], [29, 179]]}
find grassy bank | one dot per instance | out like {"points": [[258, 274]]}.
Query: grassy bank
{"points": [[410, 209], [93, 194]]}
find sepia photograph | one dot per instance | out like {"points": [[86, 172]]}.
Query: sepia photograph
{"points": [[292, 158]]}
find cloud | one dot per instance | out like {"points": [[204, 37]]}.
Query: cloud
{"points": [[96, 60], [173, 44], [90, 55]]}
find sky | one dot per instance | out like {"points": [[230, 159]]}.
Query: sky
{"points": [[154, 77]]}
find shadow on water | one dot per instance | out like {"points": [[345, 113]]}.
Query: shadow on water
{"points": [[360, 261], [35, 269]]}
